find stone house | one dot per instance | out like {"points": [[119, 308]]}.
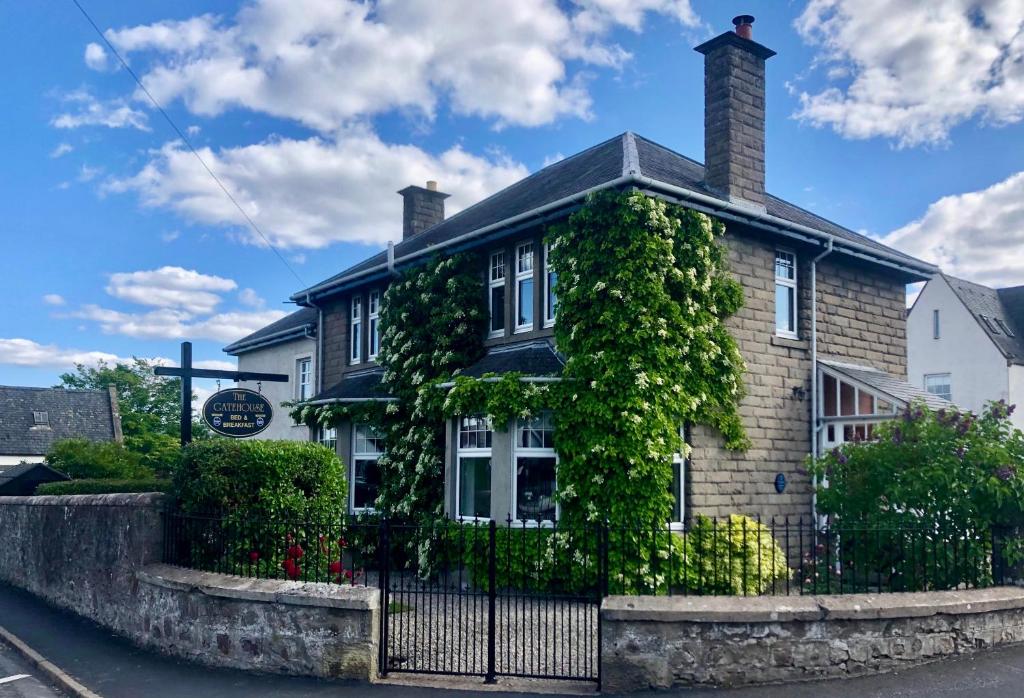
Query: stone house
{"points": [[823, 328], [965, 342], [286, 346]]}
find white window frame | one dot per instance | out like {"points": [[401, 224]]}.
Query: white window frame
{"points": [[525, 275], [680, 459], [550, 309], [355, 334], [834, 426], [496, 262], [787, 283], [359, 455], [328, 436], [949, 383], [517, 451], [471, 452], [303, 377], [373, 323]]}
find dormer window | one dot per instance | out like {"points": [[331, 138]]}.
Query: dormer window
{"points": [[40, 418]]}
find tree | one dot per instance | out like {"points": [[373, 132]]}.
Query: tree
{"points": [[149, 406]]}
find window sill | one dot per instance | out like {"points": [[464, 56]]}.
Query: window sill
{"points": [[524, 329], [519, 523], [790, 342], [472, 520]]}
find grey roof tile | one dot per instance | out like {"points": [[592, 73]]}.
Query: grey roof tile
{"points": [[1006, 305], [286, 328], [86, 414], [886, 384], [355, 386], [536, 358], [600, 164]]}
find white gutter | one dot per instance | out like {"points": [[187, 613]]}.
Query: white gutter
{"points": [[268, 339], [495, 379], [815, 426]]}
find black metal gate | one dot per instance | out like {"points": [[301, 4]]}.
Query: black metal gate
{"points": [[488, 601]]}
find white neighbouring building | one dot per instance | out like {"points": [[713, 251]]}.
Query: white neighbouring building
{"points": [[286, 346], [965, 342]]}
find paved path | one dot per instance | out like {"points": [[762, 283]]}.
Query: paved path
{"points": [[115, 669], [12, 666]]}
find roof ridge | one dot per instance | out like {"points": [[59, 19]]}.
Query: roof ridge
{"points": [[630, 155]]}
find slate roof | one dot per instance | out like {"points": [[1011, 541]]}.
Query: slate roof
{"points": [[85, 414], [900, 390], [531, 359], [23, 478], [1005, 305], [356, 386], [299, 323], [625, 160]]}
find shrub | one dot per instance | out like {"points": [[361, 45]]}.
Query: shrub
{"points": [[738, 556], [103, 486], [272, 500], [80, 458]]}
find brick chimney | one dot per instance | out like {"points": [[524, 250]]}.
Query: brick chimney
{"points": [[423, 208], [734, 114]]}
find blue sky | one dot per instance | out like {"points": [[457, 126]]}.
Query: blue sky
{"points": [[904, 123]]}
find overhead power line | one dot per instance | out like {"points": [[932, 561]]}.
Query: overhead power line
{"points": [[187, 142]]}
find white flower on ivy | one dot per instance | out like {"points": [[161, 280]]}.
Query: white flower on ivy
{"points": [[615, 293], [598, 479], [599, 286], [569, 492]]}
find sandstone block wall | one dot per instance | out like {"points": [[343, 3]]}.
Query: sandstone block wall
{"points": [[665, 642]]}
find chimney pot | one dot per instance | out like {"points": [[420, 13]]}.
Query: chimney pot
{"points": [[744, 26], [431, 185]]}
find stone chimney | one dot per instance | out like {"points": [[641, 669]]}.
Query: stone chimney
{"points": [[734, 114], [423, 208]]}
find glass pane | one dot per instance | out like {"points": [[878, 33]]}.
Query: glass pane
{"points": [[865, 403], [497, 308], [883, 406], [525, 253], [497, 266], [475, 487], [552, 299], [365, 483], [356, 340], [536, 432], [535, 488], [475, 432], [784, 316], [846, 399], [677, 491], [785, 264], [525, 302], [829, 396], [374, 336]]}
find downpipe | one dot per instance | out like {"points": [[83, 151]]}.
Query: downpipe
{"points": [[815, 425]]}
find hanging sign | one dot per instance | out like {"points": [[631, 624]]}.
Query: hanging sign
{"points": [[237, 412]]}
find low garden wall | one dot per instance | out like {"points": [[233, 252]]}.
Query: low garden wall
{"points": [[663, 642], [99, 556]]}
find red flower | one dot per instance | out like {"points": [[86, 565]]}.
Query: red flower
{"points": [[254, 556], [342, 543], [296, 552], [294, 572], [334, 567]]}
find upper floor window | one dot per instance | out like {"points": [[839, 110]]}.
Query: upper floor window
{"points": [[785, 293], [304, 378], [939, 384], [355, 333], [364, 479], [473, 468], [496, 293], [550, 299], [524, 287], [373, 317], [534, 463], [936, 328]]}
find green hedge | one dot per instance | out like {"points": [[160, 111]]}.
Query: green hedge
{"points": [[83, 459], [96, 486]]}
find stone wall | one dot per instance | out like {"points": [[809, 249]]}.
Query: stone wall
{"points": [[664, 642], [861, 319], [99, 556]]}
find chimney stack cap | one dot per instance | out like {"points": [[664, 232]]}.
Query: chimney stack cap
{"points": [[743, 25], [431, 185]]}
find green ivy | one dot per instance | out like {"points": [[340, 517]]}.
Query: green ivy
{"points": [[504, 398]]}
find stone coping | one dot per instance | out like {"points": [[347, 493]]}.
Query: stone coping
{"points": [[777, 609], [126, 499], [280, 591]]}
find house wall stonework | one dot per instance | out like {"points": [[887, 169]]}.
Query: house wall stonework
{"points": [[860, 319], [335, 344]]}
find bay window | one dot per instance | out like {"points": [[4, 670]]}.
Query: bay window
{"points": [[364, 479], [524, 287], [473, 468], [534, 464], [785, 294], [355, 330], [496, 294], [373, 317]]}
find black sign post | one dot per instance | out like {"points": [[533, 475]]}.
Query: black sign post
{"points": [[187, 372]]}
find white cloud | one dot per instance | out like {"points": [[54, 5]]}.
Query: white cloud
{"points": [[170, 323], [327, 62], [90, 111], [978, 235], [95, 56], [216, 364], [193, 130], [25, 352], [54, 299], [911, 71], [87, 173], [249, 297], [170, 235], [170, 287], [61, 150], [311, 193]]}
